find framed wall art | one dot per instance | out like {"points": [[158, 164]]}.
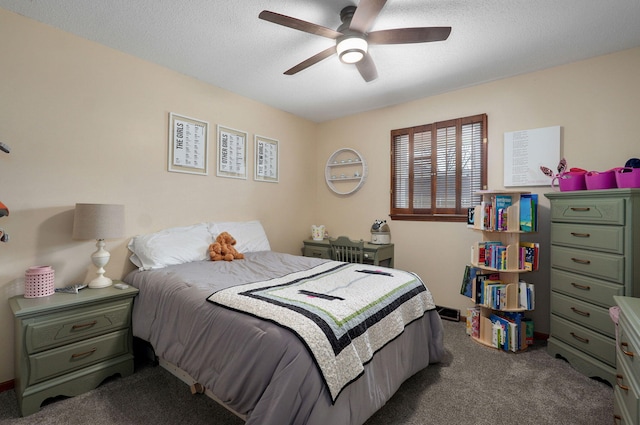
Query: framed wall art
{"points": [[266, 160], [232, 153], [188, 145]]}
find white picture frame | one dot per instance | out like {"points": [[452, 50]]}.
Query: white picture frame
{"points": [[266, 163], [188, 145], [232, 153]]}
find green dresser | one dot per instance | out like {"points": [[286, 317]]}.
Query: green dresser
{"points": [[67, 344], [595, 255]]}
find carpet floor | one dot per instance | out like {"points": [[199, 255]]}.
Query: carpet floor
{"points": [[473, 385]]}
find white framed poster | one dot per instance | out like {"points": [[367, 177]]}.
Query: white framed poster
{"points": [[188, 145], [232, 153], [525, 151], [266, 159]]}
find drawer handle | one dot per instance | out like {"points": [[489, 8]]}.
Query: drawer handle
{"points": [[622, 387], [580, 312], [85, 354], [580, 261], [578, 286], [580, 209], [624, 345], [579, 338], [84, 325], [580, 235]]}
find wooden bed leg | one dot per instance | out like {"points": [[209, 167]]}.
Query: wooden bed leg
{"points": [[197, 388]]}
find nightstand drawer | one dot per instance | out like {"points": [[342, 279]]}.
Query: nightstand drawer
{"points": [[56, 329], [597, 264], [318, 252], [585, 288], [591, 342], [585, 210], [600, 238], [586, 314], [58, 361]]}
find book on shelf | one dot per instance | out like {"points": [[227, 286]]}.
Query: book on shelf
{"points": [[528, 330], [512, 328], [467, 280], [480, 284], [480, 250], [502, 203], [529, 212], [473, 321], [529, 255]]}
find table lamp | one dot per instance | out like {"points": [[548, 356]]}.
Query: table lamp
{"points": [[100, 222]]}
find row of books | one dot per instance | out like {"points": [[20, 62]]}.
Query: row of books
{"points": [[490, 291], [495, 255], [495, 214], [508, 331]]}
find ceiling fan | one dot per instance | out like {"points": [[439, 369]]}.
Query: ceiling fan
{"points": [[353, 37]]}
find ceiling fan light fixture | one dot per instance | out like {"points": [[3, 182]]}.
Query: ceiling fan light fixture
{"points": [[351, 49]]}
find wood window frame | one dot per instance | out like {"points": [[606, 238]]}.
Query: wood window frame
{"points": [[406, 188]]}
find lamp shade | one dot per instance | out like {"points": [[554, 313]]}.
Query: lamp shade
{"points": [[98, 221]]}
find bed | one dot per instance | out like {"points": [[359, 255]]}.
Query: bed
{"points": [[258, 365]]}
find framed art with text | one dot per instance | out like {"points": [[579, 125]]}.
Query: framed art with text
{"points": [[188, 145], [266, 160], [232, 153]]}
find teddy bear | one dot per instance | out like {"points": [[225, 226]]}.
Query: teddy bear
{"points": [[223, 248]]}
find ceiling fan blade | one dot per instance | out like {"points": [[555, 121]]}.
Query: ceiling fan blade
{"points": [[367, 68], [366, 13], [298, 24], [409, 35], [311, 61]]}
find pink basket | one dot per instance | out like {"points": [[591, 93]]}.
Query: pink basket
{"points": [[572, 180], [39, 282], [627, 177], [600, 180]]}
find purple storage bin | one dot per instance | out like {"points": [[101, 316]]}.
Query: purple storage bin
{"points": [[569, 181], [627, 177], [600, 180]]}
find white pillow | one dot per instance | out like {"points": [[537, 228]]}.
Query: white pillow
{"points": [[167, 247], [249, 235]]}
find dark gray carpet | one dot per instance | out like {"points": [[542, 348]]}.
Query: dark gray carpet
{"points": [[473, 385]]}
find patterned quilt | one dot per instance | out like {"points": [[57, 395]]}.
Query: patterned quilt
{"points": [[344, 313]]}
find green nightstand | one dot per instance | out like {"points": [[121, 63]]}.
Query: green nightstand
{"points": [[67, 344]]}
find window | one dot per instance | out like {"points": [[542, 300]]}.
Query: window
{"points": [[437, 168]]}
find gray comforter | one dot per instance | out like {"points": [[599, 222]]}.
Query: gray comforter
{"points": [[254, 366]]}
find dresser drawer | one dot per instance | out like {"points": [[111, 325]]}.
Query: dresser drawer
{"points": [[628, 346], [600, 238], [318, 252], [58, 361], [585, 288], [596, 264], [620, 414], [591, 342], [626, 391], [585, 210], [56, 329], [586, 314]]}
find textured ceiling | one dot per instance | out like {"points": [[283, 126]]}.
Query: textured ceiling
{"points": [[225, 44]]}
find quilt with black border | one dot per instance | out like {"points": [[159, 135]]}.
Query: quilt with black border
{"points": [[343, 313]]}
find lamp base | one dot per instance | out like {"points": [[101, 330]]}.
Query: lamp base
{"points": [[100, 282]]}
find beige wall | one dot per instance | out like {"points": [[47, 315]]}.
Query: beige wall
{"points": [[596, 102], [89, 124]]}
